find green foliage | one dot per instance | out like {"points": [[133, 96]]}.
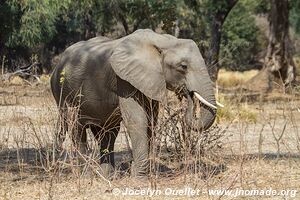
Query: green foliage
{"points": [[146, 13], [9, 15], [36, 20], [193, 22], [240, 36], [87, 18], [261, 7], [52, 25], [294, 15]]}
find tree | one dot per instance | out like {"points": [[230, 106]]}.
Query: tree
{"points": [[279, 58], [242, 40], [219, 10], [45, 28], [207, 18], [144, 14], [9, 22], [37, 21], [27, 27]]}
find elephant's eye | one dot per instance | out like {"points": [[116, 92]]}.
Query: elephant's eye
{"points": [[183, 66]]}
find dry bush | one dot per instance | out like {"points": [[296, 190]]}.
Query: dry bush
{"points": [[184, 151]]}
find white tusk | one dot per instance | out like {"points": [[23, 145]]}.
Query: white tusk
{"points": [[204, 101], [219, 104]]}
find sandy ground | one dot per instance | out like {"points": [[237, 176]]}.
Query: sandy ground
{"points": [[264, 154]]}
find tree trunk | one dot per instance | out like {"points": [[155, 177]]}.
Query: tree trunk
{"points": [[217, 20], [88, 26], [119, 15], [279, 58], [214, 47]]}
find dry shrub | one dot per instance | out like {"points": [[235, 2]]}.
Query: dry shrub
{"points": [[195, 153]]}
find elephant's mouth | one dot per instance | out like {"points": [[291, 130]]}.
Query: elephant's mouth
{"points": [[184, 92], [195, 101]]}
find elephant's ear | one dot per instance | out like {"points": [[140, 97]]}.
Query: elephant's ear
{"points": [[139, 63]]}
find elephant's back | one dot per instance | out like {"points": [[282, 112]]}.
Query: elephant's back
{"points": [[84, 60], [87, 74], [87, 62]]}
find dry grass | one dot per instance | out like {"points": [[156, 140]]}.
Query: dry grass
{"points": [[258, 149], [253, 174], [232, 79], [234, 110]]}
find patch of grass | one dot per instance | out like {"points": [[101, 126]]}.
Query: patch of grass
{"points": [[245, 113], [232, 112], [232, 79], [225, 113]]}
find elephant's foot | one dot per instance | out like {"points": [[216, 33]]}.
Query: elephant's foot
{"points": [[140, 170], [137, 176]]}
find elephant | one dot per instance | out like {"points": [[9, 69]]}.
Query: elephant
{"points": [[127, 79]]}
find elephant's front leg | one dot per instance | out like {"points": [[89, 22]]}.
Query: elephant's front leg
{"points": [[136, 120]]}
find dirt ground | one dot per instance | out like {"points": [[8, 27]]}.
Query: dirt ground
{"points": [[260, 150]]}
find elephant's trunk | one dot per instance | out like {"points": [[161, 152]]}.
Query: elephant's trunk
{"points": [[202, 88]]}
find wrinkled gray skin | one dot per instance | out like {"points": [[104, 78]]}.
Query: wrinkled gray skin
{"points": [[126, 79]]}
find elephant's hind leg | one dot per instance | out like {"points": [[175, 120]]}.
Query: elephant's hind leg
{"points": [[106, 140], [79, 137]]}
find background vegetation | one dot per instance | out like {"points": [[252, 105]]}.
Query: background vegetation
{"points": [[40, 30]]}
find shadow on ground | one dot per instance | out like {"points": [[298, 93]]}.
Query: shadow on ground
{"points": [[31, 161]]}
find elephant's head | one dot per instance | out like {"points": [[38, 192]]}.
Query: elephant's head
{"points": [[153, 62]]}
